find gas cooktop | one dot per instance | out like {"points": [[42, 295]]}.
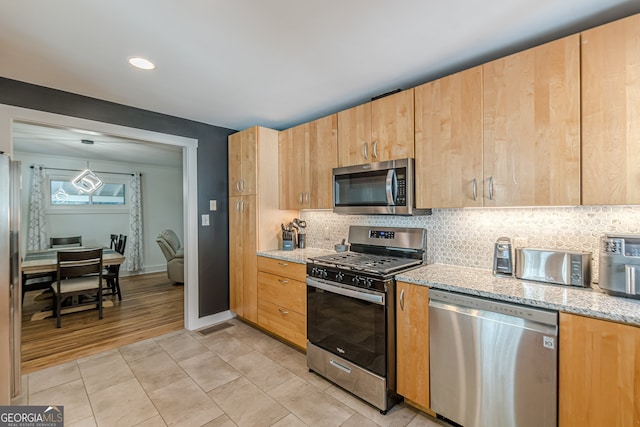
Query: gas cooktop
{"points": [[379, 264]]}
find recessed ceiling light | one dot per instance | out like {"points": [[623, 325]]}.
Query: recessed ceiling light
{"points": [[145, 64]]}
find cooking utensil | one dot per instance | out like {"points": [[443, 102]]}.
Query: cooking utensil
{"points": [[341, 247]]}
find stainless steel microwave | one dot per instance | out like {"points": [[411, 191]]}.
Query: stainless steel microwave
{"points": [[383, 188]]}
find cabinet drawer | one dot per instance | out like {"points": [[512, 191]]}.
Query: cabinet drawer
{"points": [[283, 268], [283, 322], [283, 291]]}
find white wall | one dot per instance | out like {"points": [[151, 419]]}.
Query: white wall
{"points": [[161, 196]]}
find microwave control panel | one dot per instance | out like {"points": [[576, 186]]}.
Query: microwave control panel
{"points": [[401, 197]]}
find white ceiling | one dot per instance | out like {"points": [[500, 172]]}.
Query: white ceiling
{"points": [[39, 139], [276, 63]]}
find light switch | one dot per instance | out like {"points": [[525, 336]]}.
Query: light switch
{"points": [[205, 219], [213, 205]]}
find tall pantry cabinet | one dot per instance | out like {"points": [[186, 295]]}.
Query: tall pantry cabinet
{"points": [[254, 217]]}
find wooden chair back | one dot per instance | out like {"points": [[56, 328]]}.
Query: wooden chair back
{"points": [[65, 241], [79, 263], [121, 244]]}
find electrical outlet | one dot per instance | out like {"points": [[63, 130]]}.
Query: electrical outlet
{"points": [[205, 220], [213, 205], [520, 242]]}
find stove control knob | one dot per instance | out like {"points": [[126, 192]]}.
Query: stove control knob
{"points": [[339, 276], [314, 271]]}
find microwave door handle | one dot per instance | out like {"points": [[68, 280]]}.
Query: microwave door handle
{"points": [[391, 187]]}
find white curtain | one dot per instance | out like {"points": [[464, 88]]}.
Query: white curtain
{"points": [[134, 241], [36, 236]]}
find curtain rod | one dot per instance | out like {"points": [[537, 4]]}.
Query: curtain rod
{"points": [[78, 170]]}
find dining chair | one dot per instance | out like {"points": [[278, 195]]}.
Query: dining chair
{"points": [[60, 242], [111, 273], [41, 281], [114, 241], [78, 281]]}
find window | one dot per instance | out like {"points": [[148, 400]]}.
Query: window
{"points": [[62, 193]]}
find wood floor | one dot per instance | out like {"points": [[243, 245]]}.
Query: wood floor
{"points": [[151, 306]]}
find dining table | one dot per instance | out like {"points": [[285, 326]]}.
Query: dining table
{"points": [[46, 261]]}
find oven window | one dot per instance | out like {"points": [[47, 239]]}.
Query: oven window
{"points": [[348, 327]]}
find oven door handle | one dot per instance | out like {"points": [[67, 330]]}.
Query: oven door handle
{"points": [[364, 296], [391, 187]]}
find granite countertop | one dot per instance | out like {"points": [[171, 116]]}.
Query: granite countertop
{"points": [[590, 302], [297, 255]]}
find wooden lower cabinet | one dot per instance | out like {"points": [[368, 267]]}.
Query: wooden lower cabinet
{"points": [[282, 299], [599, 382], [412, 343]]}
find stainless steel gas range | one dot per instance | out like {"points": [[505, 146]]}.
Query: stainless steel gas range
{"points": [[351, 310]]}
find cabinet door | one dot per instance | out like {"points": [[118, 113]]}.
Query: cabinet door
{"points": [[243, 260], [235, 256], [322, 158], [392, 131], [249, 266], [532, 126], [611, 113], [599, 373], [449, 141], [243, 151], [292, 147], [354, 135], [412, 342]]}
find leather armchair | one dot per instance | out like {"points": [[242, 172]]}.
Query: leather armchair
{"points": [[174, 253]]}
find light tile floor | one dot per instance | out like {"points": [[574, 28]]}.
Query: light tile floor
{"points": [[237, 376]]}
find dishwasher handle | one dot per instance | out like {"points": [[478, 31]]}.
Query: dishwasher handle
{"points": [[545, 321]]}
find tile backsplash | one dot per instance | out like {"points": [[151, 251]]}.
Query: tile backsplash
{"points": [[466, 236]]}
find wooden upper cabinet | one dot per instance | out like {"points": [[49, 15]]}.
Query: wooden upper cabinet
{"points": [[611, 113], [377, 131], [448, 141], [243, 152], [599, 373], [308, 154], [292, 146], [322, 157], [532, 126]]}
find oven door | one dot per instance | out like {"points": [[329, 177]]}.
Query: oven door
{"points": [[349, 322]]}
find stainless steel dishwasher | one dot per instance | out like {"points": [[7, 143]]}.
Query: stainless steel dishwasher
{"points": [[492, 364]]}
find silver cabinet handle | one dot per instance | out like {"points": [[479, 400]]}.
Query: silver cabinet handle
{"points": [[306, 197], [300, 198], [238, 205], [490, 188], [402, 300], [283, 281], [283, 264], [375, 149], [475, 189], [238, 186], [242, 185], [365, 151], [283, 312]]}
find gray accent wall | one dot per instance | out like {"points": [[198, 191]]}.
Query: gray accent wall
{"points": [[213, 251]]}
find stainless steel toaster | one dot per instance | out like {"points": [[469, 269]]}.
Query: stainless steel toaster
{"points": [[554, 266], [619, 267]]}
